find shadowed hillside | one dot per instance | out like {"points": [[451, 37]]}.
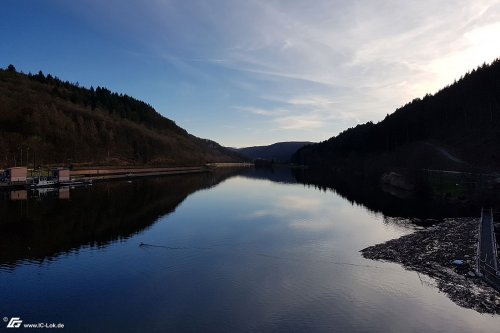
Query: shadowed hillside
{"points": [[53, 121], [279, 152], [457, 128]]}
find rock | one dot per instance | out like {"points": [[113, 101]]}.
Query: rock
{"points": [[397, 180], [457, 262], [471, 274]]}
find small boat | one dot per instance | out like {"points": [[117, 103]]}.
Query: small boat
{"points": [[43, 182]]}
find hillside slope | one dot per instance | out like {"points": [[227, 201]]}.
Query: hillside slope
{"points": [[279, 152], [53, 121], [457, 128]]}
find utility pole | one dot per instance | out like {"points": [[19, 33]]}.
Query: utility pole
{"points": [[27, 157]]}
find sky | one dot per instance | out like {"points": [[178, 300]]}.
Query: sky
{"points": [[255, 72]]}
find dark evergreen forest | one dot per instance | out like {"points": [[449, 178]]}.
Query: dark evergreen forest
{"points": [[46, 120], [457, 128]]}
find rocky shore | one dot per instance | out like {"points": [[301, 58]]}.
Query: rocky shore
{"points": [[447, 253]]}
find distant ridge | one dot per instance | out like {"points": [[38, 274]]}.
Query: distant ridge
{"points": [[279, 152], [458, 128], [46, 120]]}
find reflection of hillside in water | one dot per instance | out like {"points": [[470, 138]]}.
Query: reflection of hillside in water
{"points": [[39, 227], [277, 174], [419, 207], [43, 227]]}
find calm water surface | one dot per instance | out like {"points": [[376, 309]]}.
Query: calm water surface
{"points": [[224, 253]]}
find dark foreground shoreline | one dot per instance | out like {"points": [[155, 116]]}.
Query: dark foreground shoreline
{"points": [[432, 252]]}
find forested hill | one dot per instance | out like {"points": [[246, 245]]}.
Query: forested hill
{"points": [[280, 152], [60, 122], [456, 128]]}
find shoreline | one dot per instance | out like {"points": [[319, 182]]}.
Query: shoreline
{"points": [[103, 174], [432, 252]]}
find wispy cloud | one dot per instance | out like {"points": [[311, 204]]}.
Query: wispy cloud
{"points": [[370, 63], [310, 68], [261, 111], [306, 122]]}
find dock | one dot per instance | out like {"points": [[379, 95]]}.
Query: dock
{"points": [[66, 177], [97, 175], [487, 256], [91, 175]]}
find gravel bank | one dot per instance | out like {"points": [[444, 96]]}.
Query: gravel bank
{"points": [[432, 252]]}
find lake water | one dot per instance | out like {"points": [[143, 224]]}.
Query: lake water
{"points": [[225, 252]]}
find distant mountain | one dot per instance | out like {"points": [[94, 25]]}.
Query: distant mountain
{"points": [[457, 128], [279, 152], [45, 120]]}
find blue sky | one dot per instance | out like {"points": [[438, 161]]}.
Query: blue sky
{"points": [[255, 72]]}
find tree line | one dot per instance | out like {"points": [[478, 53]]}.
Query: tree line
{"points": [[463, 117], [63, 122]]}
